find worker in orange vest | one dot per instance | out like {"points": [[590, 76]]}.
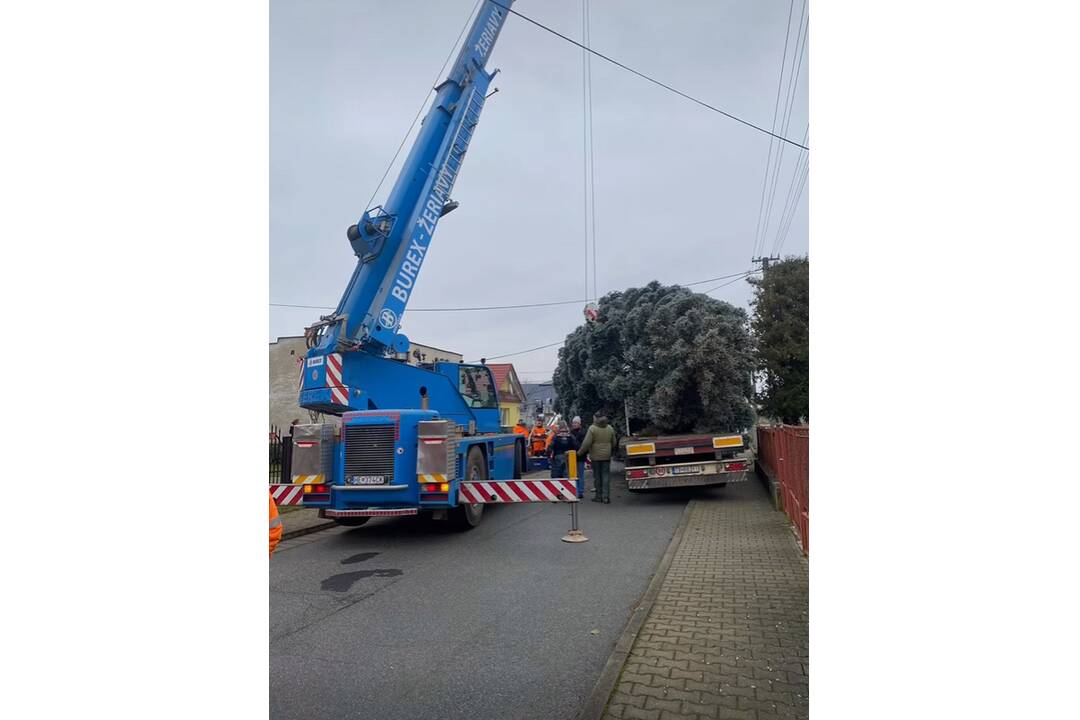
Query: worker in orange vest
{"points": [[522, 429], [538, 438], [275, 526]]}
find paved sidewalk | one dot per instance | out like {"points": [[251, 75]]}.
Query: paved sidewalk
{"points": [[300, 521], [727, 635]]}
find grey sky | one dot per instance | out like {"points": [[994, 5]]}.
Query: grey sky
{"points": [[678, 187]]}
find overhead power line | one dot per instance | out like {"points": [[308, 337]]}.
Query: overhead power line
{"points": [[521, 352], [503, 307], [647, 77], [776, 109], [731, 282], [738, 277]]}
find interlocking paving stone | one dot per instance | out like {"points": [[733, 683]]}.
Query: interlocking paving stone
{"points": [[728, 634]]}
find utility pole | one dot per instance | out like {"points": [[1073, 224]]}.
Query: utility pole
{"points": [[764, 262]]}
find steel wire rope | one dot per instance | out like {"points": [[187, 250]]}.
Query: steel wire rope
{"points": [[592, 151], [585, 145]]}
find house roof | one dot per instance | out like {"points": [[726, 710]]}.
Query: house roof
{"points": [[502, 371]]}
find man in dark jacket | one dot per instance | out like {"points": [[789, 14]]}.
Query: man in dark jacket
{"points": [[600, 444], [561, 443]]}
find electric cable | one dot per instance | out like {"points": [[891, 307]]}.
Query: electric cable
{"points": [[776, 108], [794, 207], [797, 174], [646, 77], [730, 282], [789, 102], [505, 307]]}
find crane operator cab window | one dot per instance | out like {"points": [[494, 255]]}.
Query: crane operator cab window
{"points": [[476, 387]]}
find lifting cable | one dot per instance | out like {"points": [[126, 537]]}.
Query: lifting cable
{"points": [[589, 154]]}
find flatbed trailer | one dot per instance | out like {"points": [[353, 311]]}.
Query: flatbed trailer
{"points": [[673, 461]]}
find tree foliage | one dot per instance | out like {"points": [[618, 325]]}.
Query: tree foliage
{"points": [[680, 359], [781, 327]]}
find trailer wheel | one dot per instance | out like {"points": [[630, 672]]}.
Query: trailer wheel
{"points": [[466, 517], [351, 522]]}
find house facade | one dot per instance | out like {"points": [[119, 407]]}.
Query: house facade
{"points": [[511, 394]]}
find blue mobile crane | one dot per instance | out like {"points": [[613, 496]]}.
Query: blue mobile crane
{"points": [[410, 435]]}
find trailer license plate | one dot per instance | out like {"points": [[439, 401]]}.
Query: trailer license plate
{"points": [[688, 470], [684, 451], [365, 480]]}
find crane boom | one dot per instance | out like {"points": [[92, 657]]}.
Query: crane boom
{"points": [[348, 365], [391, 241]]}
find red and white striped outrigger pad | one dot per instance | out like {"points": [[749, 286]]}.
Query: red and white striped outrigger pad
{"points": [[512, 491], [287, 494]]}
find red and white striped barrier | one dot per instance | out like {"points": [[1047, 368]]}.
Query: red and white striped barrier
{"points": [[512, 491], [287, 494]]}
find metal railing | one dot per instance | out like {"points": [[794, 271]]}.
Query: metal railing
{"points": [[280, 455], [784, 452]]}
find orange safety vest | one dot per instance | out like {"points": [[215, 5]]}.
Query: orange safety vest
{"points": [[520, 429], [539, 440], [275, 526]]}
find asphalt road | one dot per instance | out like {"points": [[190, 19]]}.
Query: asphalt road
{"points": [[400, 619]]}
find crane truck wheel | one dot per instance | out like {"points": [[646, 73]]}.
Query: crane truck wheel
{"points": [[466, 517]]}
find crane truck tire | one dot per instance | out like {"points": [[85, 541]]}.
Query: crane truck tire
{"points": [[466, 517]]}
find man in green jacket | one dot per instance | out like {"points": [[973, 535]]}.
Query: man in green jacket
{"points": [[600, 444]]}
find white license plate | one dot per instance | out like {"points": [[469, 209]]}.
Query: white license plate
{"points": [[688, 470], [365, 480], [684, 451]]}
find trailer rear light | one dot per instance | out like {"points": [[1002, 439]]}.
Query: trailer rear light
{"points": [[635, 474], [444, 487], [735, 466], [431, 487], [315, 489]]}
